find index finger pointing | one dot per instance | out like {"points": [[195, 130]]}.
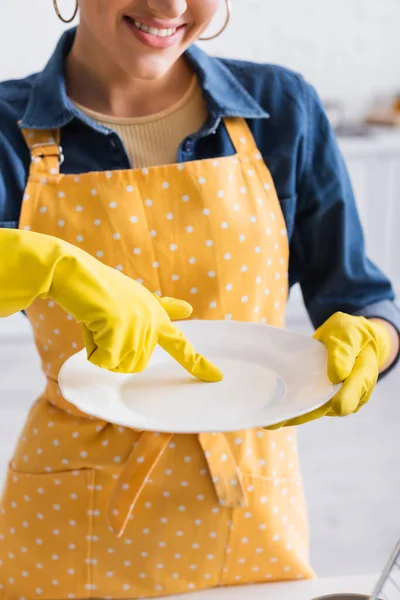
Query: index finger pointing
{"points": [[172, 340]]}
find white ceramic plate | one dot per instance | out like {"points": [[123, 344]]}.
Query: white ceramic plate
{"points": [[270, 375]]}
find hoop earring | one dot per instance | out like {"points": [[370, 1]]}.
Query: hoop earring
{"points": [[228, 18], [59, 15]]}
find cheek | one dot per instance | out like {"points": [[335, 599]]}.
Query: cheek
{"points": [[101, 17], [91, 8], [104, 11], [203, 11]]}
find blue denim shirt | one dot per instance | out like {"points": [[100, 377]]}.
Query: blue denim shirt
{"points": [[292, 133]]}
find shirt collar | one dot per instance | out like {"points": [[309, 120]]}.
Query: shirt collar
{"points": [[49, 106], [225, 95]]}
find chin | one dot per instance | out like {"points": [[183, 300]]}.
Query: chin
{"points": [[149, 67]]}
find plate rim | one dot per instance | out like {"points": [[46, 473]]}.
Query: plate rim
{"points": [[233, 324]]}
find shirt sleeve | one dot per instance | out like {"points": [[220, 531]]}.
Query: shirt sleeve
{"points": [[327, 249], [14, 168]]}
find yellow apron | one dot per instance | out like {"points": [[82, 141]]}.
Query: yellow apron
{"points": [[93, 510]]}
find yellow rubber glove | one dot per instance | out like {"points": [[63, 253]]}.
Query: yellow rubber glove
{"points": [[357, 350], [122, 320]]}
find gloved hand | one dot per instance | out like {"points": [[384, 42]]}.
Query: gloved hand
{"points": [[357, 350], [122, 320]]}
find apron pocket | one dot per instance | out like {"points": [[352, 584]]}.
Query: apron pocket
{"points": [[269, 537], [45, 535]]}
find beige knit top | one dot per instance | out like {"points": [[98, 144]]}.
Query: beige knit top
{"points": [[154, 140]]}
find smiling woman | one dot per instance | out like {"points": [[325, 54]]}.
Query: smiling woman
{"points": [[118, 42], [125, 33], [184, 177]]}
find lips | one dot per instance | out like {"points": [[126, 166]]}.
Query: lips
{"points": [[151, 34], [155, 31]]}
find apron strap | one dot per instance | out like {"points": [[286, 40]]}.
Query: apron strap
{"points": [[247, 151], [137, 470], [241, 136], [46, 152], [224, 470], [146, 455]]}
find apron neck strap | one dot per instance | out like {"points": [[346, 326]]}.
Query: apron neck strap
{"points": [[46, 152], [240, 134]]}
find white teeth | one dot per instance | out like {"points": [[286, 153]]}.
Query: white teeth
{"points": [[154, 31]]}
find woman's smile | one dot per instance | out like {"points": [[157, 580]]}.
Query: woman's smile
{"points": [[155, 34]]}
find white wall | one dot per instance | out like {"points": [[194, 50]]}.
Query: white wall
{"points": [[347, 48]]}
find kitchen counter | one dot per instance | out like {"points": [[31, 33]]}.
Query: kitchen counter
{"points": [[381, 141], [304, 590]]}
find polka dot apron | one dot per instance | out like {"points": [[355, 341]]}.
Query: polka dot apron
{"points": [[93, 510]]}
